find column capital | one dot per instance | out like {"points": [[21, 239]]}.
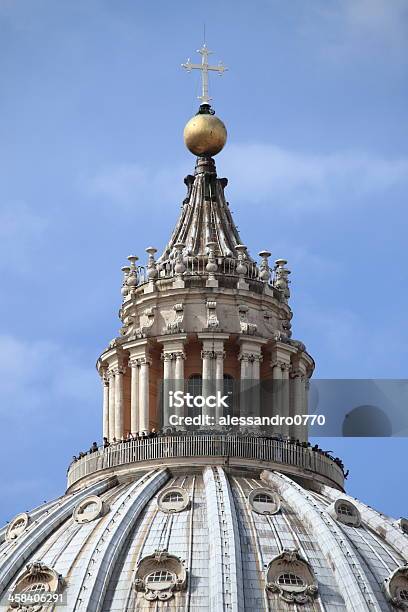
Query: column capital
{"points": [[133, 362], [219, 354], [207, 354], [179, 354], [111, 373], [250, 357], [279, 363], [145, 361], [165, 356], [118, 369]]}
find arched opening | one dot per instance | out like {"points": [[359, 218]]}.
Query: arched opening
{"points": [[231, 395], [194, 388]]}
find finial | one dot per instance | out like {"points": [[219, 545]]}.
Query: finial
{"points": [[152, 271], [241, 268], [205, 134], [132, 277], [264, 269], [205, 68], [180, 266], [281, 280], [124, 290], [211, 266]]}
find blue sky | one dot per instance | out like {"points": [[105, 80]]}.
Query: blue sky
{"points": [[92, 106]]}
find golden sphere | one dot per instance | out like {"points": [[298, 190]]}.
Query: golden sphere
{"points": [[205, 135]]}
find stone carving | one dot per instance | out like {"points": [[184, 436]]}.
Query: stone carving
{"points": [[396, 587], [290, 576], [211, 266], [176, 326], [159, 575], [180, 266], [246, 327], [149, 313], [212, 319], [298, 344], [132, 278], [345, 512], [173, 499], [280, 335], [152, 271], [132, 327], [242, 268], [129, 324], [37, 578], [250, 357], [189, 182], [17, 526], [264, 501], [124, 291], [89, 509], [281, 281], [286, 326], [264, 269]]}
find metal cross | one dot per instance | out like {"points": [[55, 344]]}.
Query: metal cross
{"points": [[205, 68]]}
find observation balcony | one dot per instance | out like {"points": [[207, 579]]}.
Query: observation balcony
{"points": [[192, 451]]}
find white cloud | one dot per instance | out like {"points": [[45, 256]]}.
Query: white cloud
{"points": [[364, 27], [299, 181], [131, 185], [306, 181]]}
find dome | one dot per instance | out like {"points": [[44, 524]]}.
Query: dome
{"points": [[205, 134], [204, 539]]}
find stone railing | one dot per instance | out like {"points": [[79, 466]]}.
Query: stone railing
{"points": [[184, 447], [196, 266]]}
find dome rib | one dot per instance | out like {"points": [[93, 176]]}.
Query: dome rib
{"points": [[225, 578], [96, 579], [379, 523], [350, 575], [205, 217], [25, 545]]}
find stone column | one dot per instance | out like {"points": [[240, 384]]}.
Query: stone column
{"points": [[144, 393], [256, 389], [105, 383], [173, 369], [207, 357], [119, 371], [250, 357], [134, 396], [277, 387], [167, 359], [111, 378], [306, 386], [297, 403], [285, 408], [245, 384], [219, 382], [179, 376], [212, 367], [282, 355]]}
